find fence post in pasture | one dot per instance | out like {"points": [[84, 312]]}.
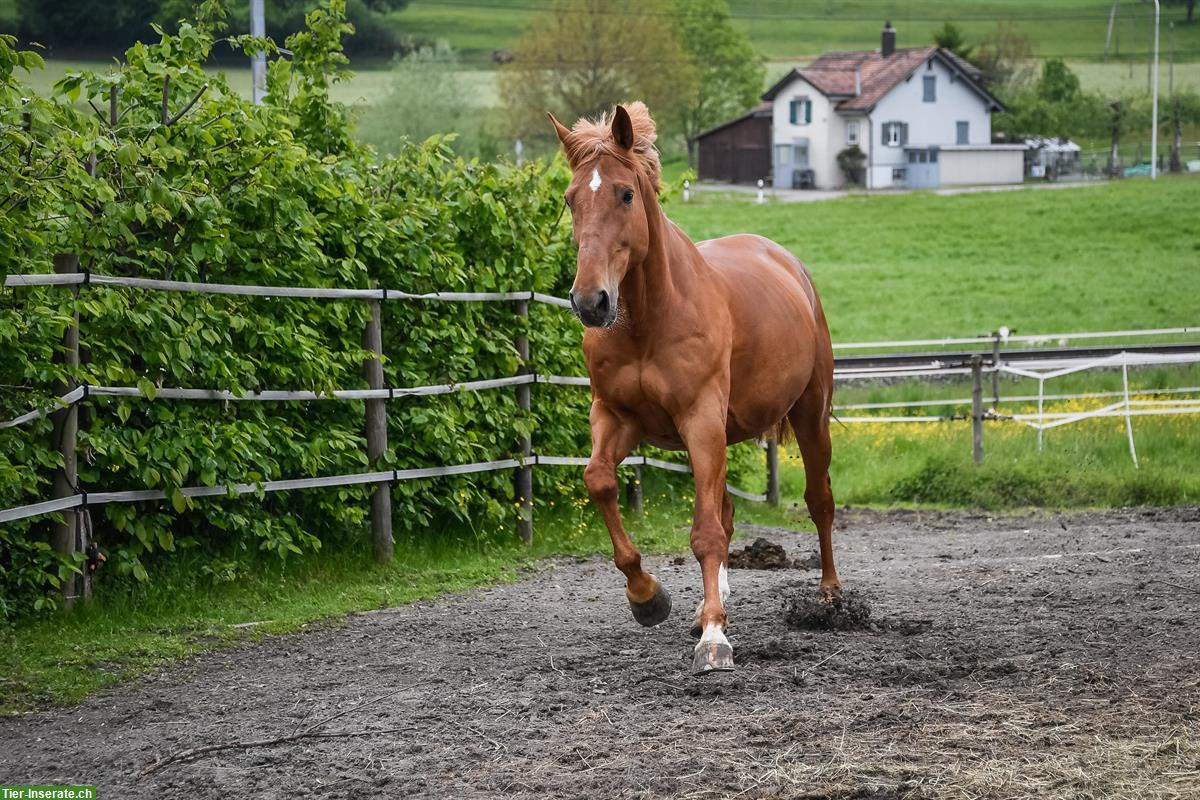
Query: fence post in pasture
{"points": [[633, 492], [376, 429], [773, 472], [523, 480], [996, 370], [977, 407], [64, 535]]}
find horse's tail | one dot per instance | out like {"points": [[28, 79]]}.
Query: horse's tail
{"points": [[782, 432]]}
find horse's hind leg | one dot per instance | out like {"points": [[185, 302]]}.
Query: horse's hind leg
{"points": [[612, 440], [810, 420]]}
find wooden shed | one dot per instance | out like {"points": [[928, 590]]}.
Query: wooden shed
{"points": [[738, 151]]}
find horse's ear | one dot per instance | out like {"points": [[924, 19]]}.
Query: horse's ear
{"points": [[622, 128], [563, 131]]}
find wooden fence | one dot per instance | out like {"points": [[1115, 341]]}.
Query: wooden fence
{"points": [[72, 530]]}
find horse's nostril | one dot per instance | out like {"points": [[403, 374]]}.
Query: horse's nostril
{"points": [[602, 303]]}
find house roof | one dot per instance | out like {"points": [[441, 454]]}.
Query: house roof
{"points": [[836, 75], [763, 109]]}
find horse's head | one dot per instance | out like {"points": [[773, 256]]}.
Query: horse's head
{"points": [[615, 178]]}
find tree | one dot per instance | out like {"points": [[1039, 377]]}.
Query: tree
{"points": [[1124, 114], [949, 37], [86, 22], [115, 24], [1058, 83], [1183, 107], [424, 98], [728, 74], [1054, 106], [1005, 57], [583, 56]]}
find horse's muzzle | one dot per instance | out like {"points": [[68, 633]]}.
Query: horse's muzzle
{"points": [[595, 309]]}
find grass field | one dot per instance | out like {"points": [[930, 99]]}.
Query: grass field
{"points": [[1085, 464], [1110, 257], [796, 29]]}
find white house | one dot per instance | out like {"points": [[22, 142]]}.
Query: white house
{"points": [[920, 115]]}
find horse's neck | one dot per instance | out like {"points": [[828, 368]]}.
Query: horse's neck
{"points": [[667, 270]]}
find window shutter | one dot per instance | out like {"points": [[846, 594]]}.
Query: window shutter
{"points": [[903, 133], [808, 111], [792, 111]]}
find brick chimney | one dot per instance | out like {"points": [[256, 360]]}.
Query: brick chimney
{"points": [[888, 43]]}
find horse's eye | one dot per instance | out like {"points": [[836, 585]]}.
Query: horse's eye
{"points": [[627, 197]]}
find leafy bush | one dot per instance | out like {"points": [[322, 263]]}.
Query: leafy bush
{"points": [[278, 194]]}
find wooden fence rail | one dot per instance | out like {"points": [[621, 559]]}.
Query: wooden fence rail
{"points": [[73, 503]]}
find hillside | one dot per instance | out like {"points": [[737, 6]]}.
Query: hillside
{"points": [[786, 30]]}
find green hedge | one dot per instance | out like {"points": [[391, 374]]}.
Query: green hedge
{"points": [[278, 194]]}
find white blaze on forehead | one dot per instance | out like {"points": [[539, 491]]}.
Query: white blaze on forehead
{"points": [[595, 184]]}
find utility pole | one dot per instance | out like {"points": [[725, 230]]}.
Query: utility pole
{"points": [[1112, 18], [258, 62], [1154, 119], [1171, 59], [1149, 66]]}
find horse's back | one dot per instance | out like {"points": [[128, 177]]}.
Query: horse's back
{"points": [[757, 270]]}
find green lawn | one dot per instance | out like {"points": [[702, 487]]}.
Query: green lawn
{"points": [[1112, 257]]}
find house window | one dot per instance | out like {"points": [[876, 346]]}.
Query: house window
{"points": [[801, 155], [964, 132], [899, 175], [783, 154], [800, 111], [895, 134], [852, 132], [930, 88]]}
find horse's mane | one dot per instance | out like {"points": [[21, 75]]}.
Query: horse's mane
{"points": [[591, 138]]}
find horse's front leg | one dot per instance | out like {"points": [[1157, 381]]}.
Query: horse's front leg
{"points": [[613, 438], [703, 431]]}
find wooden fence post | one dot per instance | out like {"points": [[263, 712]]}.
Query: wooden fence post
{"points": [[376, 430], [773, 472], [633, 492], [64, 536], [523, 479], [977, 408], [996, 370]]}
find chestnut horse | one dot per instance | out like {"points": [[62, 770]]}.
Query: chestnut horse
{"points": [[689, 347]]}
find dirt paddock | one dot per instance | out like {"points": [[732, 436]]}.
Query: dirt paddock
{"points": [[1048, 656]]}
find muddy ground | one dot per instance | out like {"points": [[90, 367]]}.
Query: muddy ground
{"points": [[1052, 656]]}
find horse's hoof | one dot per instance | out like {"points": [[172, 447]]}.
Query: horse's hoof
{"points": [[712, 657], [832, 593], [654, 610]]}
